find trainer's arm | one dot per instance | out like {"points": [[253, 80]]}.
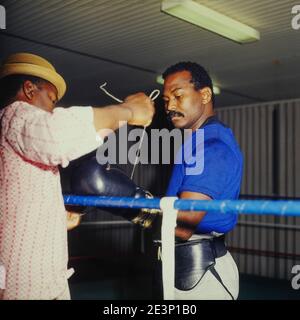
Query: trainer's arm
{"points": [[137, 109], [109, 117], [56, 138], [187, 221]]}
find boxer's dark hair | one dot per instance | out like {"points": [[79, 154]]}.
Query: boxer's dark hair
{"points": [[10, 85], [200, 77]]}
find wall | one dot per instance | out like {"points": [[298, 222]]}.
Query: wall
{"points": [[269, 136]]}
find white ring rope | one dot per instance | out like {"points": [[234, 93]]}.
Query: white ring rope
{"points": [[153, 95], [109, 94]]}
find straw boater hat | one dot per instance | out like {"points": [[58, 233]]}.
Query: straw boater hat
{"points": [[33, 65]]}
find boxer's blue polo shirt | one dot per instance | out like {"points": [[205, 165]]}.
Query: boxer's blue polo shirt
{"points": [[220, 177]]}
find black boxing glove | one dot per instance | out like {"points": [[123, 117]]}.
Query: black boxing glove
{"points": [[91, 178]]}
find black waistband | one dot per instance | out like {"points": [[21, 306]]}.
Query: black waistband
{"points": [[217, 245]]}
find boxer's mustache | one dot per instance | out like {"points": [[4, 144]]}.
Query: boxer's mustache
{"points": [[172, 114]]}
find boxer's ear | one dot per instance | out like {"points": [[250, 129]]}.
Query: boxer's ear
{"points": [[206, 95]]}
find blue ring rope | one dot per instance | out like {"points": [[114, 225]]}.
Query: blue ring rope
{"points": [[263, 207]]}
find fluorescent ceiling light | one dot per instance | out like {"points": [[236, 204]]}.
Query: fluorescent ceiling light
{"points": [[216, 90], [160, 80], [211, 20]]}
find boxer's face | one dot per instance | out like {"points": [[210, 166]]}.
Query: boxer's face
{"points": [[183, 103]]}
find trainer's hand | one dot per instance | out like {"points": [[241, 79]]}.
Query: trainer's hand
{"points": [[73, 220], [142, 109]]}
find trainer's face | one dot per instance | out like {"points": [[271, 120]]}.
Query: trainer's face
{"points": [[47, 96], [42, 95], [183, 103]]}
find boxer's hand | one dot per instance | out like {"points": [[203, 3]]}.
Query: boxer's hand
{"points": [[142, 109], [73, 220], [146, 217]]}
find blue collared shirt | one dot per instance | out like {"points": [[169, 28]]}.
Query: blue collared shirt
{"points": [[220, 176]]}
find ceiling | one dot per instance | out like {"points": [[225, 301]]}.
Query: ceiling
{"points": [[127, 43]]}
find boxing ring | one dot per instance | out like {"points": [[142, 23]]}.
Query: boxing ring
{"points": [[289, 208], [170, 205]]}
